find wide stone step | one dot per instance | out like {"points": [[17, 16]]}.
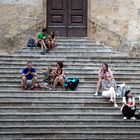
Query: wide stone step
{"points": [[86, 43], [73, 54], [134, 90], [61, 40], [75, 72], [56, 95], [71, 68], [69, 128], [111, 61], [63, 115], [58, 89], [73, 38], [57, 104], [78, 135], [70, 65], [40, 92], [67, 96], [48, 94], [120, 78], [69, 47], [37, 98], [79, 88], [90, 86], [84, 80], [55, 100], [92, 60], [59, 122], [57, 109], [70, 56], [61, 51], [54, 103]]}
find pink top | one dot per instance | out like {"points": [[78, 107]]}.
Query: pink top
{"points": [[101, 74]]}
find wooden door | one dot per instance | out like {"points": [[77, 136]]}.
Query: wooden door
{"points": [[67, 17]]}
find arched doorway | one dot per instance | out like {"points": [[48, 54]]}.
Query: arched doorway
{"points": [[67, 17]]}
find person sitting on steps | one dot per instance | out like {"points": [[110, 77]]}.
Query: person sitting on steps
{"points": [[59, 76], [101, 75], [48, 78], [29, 76], [108, 89], [51, 40], [129, 107], [42, 40]]}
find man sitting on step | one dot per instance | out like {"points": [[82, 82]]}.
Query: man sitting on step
{"points": [[42, 40], [28, 77]]}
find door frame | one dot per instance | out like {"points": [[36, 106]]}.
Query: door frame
{"points": [[45, 10]]}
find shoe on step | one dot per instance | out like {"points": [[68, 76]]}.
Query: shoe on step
{"points": [[96, 94], [115, 105], [133, 118], [124, 118], [43, 53]]}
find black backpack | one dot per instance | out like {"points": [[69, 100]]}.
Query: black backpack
{"points": [[31, 43]]}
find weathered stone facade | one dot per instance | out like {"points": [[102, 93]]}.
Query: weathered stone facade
{"points": [[112, 22], [17, 17], [115, 21]]}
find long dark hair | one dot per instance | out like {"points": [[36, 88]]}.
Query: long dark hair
{"points": [[60, 64], [106, 66], [53, 35], [126, 94]]}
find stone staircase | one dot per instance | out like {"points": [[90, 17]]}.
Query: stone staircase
{"points": [[66, 115]]}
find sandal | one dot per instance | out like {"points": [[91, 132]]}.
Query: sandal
{"points": [[24, 88], [53, 89], [32, 88], [63, 89]]}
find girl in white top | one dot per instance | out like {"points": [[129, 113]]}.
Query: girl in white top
{"points": [[129, 108]]}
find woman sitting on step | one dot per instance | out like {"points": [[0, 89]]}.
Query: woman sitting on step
{"points": [[108, 89], [129, 108], [59, 76], [101, 75], [51, 40]]}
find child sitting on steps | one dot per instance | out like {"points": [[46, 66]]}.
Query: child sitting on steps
{"points": [[48, 78]]}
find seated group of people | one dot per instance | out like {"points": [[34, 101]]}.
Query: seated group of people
{"points": [[106, 80], [45, 41], [51, 77], [108, 86]]}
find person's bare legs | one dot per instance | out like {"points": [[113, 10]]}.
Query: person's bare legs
{"points": [[49, 45], [113, 96], [43, 45], [98, 86], [56, 81], [52, 44], [110, 94], [61, 80], [34, 80], [24, 81]]}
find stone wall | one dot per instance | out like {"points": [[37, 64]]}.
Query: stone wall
{"points": [[18, 16], [112, 22], [121, 18]]}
